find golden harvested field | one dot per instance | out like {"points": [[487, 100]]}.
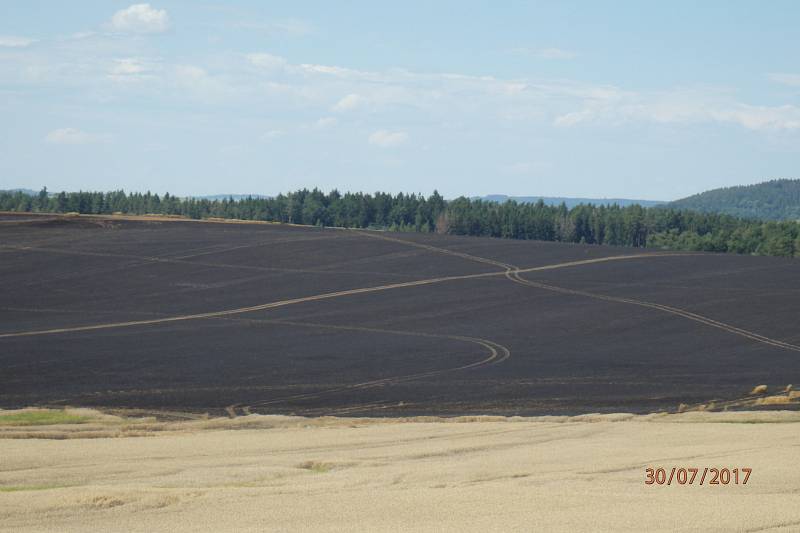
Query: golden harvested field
{"points": [[276, 473]]}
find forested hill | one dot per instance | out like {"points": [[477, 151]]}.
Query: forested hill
{"points": [[634, 225], [569, 202], [771, 200]]}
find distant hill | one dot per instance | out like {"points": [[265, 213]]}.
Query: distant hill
{"points": [[570, 202], [771, 200], [29, 192], [229, 196]]}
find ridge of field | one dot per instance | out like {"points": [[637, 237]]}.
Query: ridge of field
{"points": [[394, 352]]}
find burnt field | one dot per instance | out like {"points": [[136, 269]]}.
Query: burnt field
{"points": [[204, 317]]}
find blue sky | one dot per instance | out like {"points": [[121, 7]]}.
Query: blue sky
{"points": [[651, 100]]}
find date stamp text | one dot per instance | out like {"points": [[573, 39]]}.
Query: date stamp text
{"points": [[696, 476]]}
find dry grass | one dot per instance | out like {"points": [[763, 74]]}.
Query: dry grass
{"points": [[159, 215], [774, 400], [41, 417], [755, 399], [786, 397], [36, 423], [90, 424]]}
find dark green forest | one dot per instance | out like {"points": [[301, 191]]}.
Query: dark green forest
{"points": [[654, 227], [771, 200]]}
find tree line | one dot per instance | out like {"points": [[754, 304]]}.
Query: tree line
{"points": [[655, 227]]}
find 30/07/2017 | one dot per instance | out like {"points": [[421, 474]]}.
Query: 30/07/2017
{"points": [[689, 476]]}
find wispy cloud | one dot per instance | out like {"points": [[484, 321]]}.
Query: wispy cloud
{"points": [[271, 135], [324, 123], [199, 83], [784, 117], [132, 69], [77, 36], [348, 103], [270, 83], [13, 41], [140, 18], [266, 61], [388, 139], [681, 106], [73, 136], [792, 80]]}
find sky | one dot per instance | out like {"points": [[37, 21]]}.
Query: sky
{"points": [[632, 99]]}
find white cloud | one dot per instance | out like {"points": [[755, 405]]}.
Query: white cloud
{"points": [[331, 70], [348, 103], [271, 135], [77, 36], [72, 136], [272, 85], [140, 18], [784, 117], [793, 80], [573, 118], [191, 73], [199, 83], [12, 41], [132, 69], [324, 123], [388, 139], [680, 106], [266, 61], [128, 66]]}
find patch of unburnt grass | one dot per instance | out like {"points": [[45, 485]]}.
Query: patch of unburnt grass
{"points": [[41, 417], [25, 488]]}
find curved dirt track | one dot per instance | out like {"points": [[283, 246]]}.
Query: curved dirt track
{"points": [[183, 259], [317, 297], [497, 354], [659, 307], [154, 350], [513, 272]]}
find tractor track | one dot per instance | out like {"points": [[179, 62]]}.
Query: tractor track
{"points": [[318, 297], [497, 353], [513, 273]]}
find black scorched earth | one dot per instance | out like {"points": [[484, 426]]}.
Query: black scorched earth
{"points": [[206, 317]]}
